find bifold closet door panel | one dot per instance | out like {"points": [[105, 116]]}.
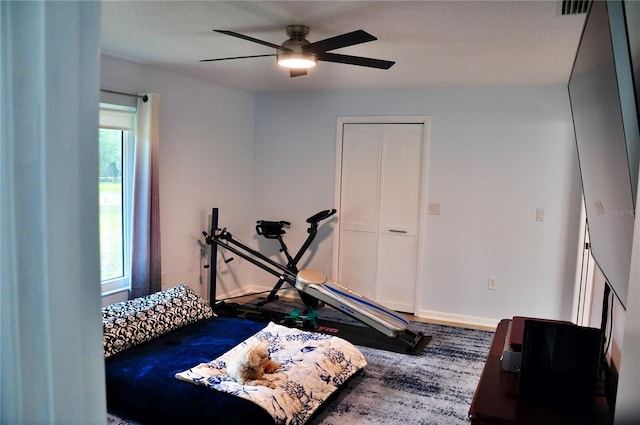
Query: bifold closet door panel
{"points": [[400, 182], [359, 193], [396, 272]]}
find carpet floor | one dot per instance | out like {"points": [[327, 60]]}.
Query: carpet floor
{"points": [[435, 387]]}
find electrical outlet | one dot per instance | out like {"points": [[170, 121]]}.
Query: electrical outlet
{"points": [[492, 283]]}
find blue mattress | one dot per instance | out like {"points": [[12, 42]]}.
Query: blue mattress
{"points": [[141, 383]]}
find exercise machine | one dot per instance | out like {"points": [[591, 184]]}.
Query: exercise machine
{"points": [[316, 285], [275, 230]]}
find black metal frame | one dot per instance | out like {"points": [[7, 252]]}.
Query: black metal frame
{"points": [[221, 237], [292, 263]]}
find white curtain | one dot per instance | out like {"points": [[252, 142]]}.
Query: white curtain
{"points": [[51, 361], [145, 257]]}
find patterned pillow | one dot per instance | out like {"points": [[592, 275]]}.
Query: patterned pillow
{"points": [[135, 321], [131, 307]]}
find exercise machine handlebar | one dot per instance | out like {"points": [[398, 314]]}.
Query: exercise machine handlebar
{"points": [[322, 215]]}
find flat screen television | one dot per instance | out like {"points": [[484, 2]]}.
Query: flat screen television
{"points": [[560, 364], [605, 118]]}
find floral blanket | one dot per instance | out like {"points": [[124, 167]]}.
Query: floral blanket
{"points": [[312, 367]]}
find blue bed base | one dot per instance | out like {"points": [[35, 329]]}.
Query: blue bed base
{"points": [[141, 384]]}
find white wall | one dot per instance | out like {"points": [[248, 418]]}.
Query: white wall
{"points": [[628, 401], [496, 154], [627, 406], [206, 156]]}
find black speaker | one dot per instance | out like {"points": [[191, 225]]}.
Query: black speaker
{"points": [[560, 364]]}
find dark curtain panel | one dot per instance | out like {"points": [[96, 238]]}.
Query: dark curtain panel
{"points": [[145, 256]]}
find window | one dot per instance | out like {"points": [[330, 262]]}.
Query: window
{"points": [[117, 142]]}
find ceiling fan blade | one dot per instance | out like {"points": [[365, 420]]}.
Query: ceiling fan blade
{"points": [[255, 40], [355, 60], [297, 72], [343, 40], [234, 57]]}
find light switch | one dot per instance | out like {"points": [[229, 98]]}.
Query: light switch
{"points": [[434, 208], [540, 214]]}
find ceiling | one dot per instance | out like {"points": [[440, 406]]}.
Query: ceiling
{"points": [[434, 43]]}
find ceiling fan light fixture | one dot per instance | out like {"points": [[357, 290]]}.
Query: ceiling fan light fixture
{"points": [[294, 60], [297, 54]]}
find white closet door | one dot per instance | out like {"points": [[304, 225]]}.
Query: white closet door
{"points": [[399, 216], [359, 207], [381, 166]]}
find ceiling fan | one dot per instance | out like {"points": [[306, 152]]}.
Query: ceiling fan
{"points": [[298, 54]]}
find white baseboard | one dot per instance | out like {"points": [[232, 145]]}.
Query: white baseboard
{"points": [[252, 289], [459, 319], [239, 292], [436, 316]]}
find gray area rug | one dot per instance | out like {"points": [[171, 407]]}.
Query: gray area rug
{"points": [[433, 388]]}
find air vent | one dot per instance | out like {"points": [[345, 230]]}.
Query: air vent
{"points": [[574, 7]]}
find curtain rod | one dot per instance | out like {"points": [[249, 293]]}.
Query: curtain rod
{"points": [[144, 97]]}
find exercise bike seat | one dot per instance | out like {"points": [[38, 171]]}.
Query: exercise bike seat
{"points": [[271, 229]]}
